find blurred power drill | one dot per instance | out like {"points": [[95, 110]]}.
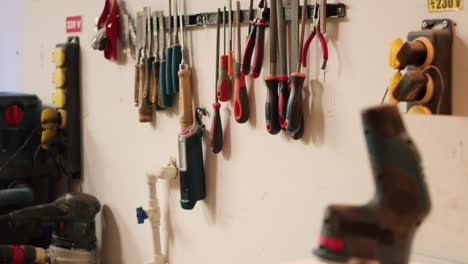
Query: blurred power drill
{"points": [[383, 229], [71, 218]]}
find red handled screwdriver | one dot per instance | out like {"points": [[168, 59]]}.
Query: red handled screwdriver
{"points": [[283, 78], [224, 83], [271, 104], [294, 113], [241, 98], [216, 131]]}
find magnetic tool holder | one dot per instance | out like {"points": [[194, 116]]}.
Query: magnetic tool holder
{"points": [[211, 18], [427, 58], [61, 133]]}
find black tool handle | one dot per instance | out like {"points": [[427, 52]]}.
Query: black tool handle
{"points": [[271, 106], [157, 86], [298, 135], [147, 89], [248, 51], [216, 132], [294, 110], [259, 50], [284, 91]]}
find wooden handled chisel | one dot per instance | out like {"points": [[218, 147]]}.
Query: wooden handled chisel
{"points": [[185, 96], [144, 110]]}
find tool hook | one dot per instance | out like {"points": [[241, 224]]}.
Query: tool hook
{"points": [[199, 113]]}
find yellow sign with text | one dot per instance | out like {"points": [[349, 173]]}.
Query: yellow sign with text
{"points": [[445, 5]]}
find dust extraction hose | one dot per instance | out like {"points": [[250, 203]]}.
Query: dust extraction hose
{"points": [[16, 197]]}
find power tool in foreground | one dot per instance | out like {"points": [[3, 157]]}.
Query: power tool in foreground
{"points": [[382, 230], [71, 218]]}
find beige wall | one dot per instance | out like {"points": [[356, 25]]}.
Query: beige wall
{"points": [[10, 45], [266, 194]]}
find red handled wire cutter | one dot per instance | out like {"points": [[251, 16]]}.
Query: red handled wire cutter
{"points": [[315, 32]]}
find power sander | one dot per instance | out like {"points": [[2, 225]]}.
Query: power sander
{"points": [[71, 218], [383, 229]]}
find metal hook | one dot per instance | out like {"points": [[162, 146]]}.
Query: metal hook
{"points": [[200, 112]]}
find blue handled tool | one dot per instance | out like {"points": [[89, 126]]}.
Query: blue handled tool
{"points": [[176, 55]]}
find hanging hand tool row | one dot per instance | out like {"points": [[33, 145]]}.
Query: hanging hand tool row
{"points": [[157, 65], [283, 107], [158, 61]]}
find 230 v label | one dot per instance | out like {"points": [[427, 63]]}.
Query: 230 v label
{"points": [[443, 5]]}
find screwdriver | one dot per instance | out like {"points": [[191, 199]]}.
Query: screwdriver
{"points": [[230, 52], [176, 56], [155, 98], [271, 104], [149, 79], [169, 51], [139, 52], [224, 83], [144, 110], [165, 97], [297, 81], [241, 99], [283, 78], [216, 132], [294, 113], [185, 97]]}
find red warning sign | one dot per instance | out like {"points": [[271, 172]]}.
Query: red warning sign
{"points": [[73, 24]]}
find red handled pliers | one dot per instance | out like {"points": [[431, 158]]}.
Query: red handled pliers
{"points": [[255, 42], [315, 32]]}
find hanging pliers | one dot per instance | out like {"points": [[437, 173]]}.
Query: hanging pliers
{"points": [[317, 31], [255, 43]]}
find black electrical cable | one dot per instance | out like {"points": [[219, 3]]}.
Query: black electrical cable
{"points": [[385, 95], [19, 150], [442, 84]]}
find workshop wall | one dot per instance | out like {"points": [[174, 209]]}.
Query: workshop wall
{"points": [[266, 194], [10, 45]]}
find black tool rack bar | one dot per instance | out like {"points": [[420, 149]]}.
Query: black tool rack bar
{"points": [[204, 19]]}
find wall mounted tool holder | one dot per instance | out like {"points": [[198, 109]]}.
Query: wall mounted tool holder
{"points": [[427, 56], [205, 19], [62, 126]]}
